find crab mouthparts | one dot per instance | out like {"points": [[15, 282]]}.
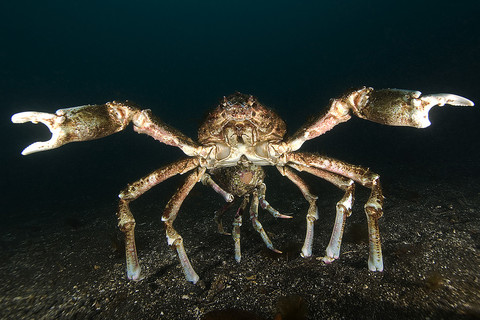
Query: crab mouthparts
{"points": [[246, 176]]}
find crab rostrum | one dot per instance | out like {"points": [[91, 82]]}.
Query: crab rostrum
{"points": [[237, 139]]}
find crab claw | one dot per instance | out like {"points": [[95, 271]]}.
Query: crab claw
{"points": [[423, 104], [52, 121], [78, 123], [441, 99], [397, 107]]}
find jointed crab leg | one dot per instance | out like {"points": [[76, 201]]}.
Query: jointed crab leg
{"points": [[266, 206], [256, 223], [312, 214], [207, 180], [126, 222], [237, 223], [387, 106], [96, 121], [343, 207], [373, 207], [218, 218], [173, 238]]}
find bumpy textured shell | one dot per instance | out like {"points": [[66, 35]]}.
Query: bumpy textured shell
{"points": [[241, 108]]}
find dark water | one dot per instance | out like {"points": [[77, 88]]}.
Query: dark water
{"points": [[179, 57]]}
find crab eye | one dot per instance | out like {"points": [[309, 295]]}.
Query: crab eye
{"points": [[251, 100], [227, 104]]}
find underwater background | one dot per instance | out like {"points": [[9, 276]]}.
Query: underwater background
{"points": [[179, 58]]}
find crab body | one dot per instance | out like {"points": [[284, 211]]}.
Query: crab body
{"points": [[237, 139], [240, 179], [240, 126]]}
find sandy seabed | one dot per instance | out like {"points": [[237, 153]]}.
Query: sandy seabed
{"points": [[68, 263]]}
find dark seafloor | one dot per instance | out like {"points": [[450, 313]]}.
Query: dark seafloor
{"points": [[68, 263], [61, 254]]}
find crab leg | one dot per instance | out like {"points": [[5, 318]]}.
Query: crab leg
{"points": [[97, 121], [312, 214], [237, 223], [343, 207], [218, 218], [266, 206], [171, 210], [373, 207], [126, 222], [256, 223], [388, 106], [207, 180]]}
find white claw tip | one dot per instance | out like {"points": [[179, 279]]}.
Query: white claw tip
{"points": [[17, 118], [455, 100], [448, 98], [34, 147]]}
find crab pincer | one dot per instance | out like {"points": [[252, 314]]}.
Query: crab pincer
{"points": [[404, 107], [52, 121], [81, 123]]}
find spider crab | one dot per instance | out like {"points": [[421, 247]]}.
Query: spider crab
{"points": [[237, 138]]}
